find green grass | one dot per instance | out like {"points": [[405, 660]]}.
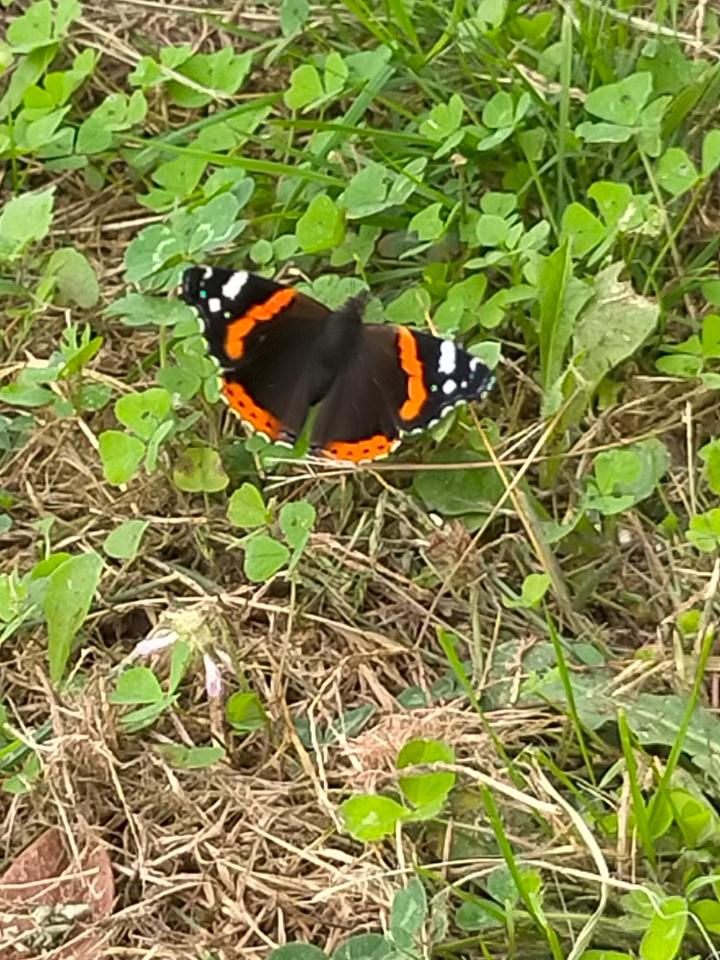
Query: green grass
{"points": [[465, 692]]}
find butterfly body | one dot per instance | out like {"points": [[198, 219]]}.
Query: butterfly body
{"points": [[281, 352]]}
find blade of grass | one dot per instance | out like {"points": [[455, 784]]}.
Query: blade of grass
{"points": [[706, 641], [570, 696], [639, 809], [512, 865]]}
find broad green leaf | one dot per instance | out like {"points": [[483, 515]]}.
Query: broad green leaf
{"points": [[335, 73], [264, 557], [499, 111], [613, 326], [605, 955], [472, 917], [708, 912], [222, 71], [556, 323], [582, 228], [625, 476], [622, 102], [121, 455], [704, 530], [422, 789], [710, 153], [190, 758], [444, 119], [137, 685], [368, 817], [664, 936], [412, 304], [123, 542], [408, 915], [293, 15], [26, 395], [613, 200], [297, 951], [25, 219], [365, 946], [603, 132], [75, 277], [458, 492], [70, 591], [534, 588], [296, 522], [200, 470], [246, 507], [428, 224], [245, 712], [367, 192], [143, 412], [321, 227], [710, 455], [680, 365], [305, 87], [676, 172], [492, 230], [710, 340], [138, 309]]}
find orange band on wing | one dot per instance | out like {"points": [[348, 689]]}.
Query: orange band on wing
{"points": [[238, 330], [245, 407], [412, 365], [361, 450]]}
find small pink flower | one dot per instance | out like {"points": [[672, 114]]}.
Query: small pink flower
{"points": [[155, 642], [213, 678]]}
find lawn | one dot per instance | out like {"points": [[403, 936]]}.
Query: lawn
{"points": [[458, 703]]}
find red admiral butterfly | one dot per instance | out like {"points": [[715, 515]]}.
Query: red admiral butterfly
{"points": [[280, 352]]}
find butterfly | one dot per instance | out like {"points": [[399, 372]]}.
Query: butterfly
{"points": [[280, 352]]}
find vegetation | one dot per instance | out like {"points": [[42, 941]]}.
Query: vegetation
{"points": [[455, 705]]}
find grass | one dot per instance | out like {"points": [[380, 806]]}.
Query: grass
{"points": [[469, 695]]}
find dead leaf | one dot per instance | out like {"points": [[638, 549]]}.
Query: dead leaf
{"points": [[49, 901]]}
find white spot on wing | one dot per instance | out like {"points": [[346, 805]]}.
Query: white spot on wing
{"points": [[448, 357], [233, 286], [449, 387], [207, 272], [214, 305], [474, 364]]}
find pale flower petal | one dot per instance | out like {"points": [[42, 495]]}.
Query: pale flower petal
{"points": [[213, 679], [155, 642]]}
